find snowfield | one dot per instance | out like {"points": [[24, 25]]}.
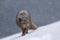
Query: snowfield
{"points": [[48, 32]]}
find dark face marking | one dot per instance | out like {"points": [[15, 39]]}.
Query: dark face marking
{"points": [[20, 19]]}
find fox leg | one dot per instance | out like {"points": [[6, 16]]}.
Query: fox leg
{"points": [[24, 31]]}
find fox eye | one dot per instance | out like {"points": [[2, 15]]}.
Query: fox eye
{"points": [[20, 19]]}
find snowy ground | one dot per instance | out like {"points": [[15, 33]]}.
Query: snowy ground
{"points": [[48, 32]]}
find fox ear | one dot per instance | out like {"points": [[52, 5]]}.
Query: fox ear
{"points": [[20, 19]]}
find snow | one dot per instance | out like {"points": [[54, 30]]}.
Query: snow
{"points": [[48, 32]]}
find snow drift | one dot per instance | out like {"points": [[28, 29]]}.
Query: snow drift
{"points": [[48, 32]]}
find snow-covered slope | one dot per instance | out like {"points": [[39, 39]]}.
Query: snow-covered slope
{"points": [[48, 32]]}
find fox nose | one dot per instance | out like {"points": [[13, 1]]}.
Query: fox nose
{"points": [[25, 20]]}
